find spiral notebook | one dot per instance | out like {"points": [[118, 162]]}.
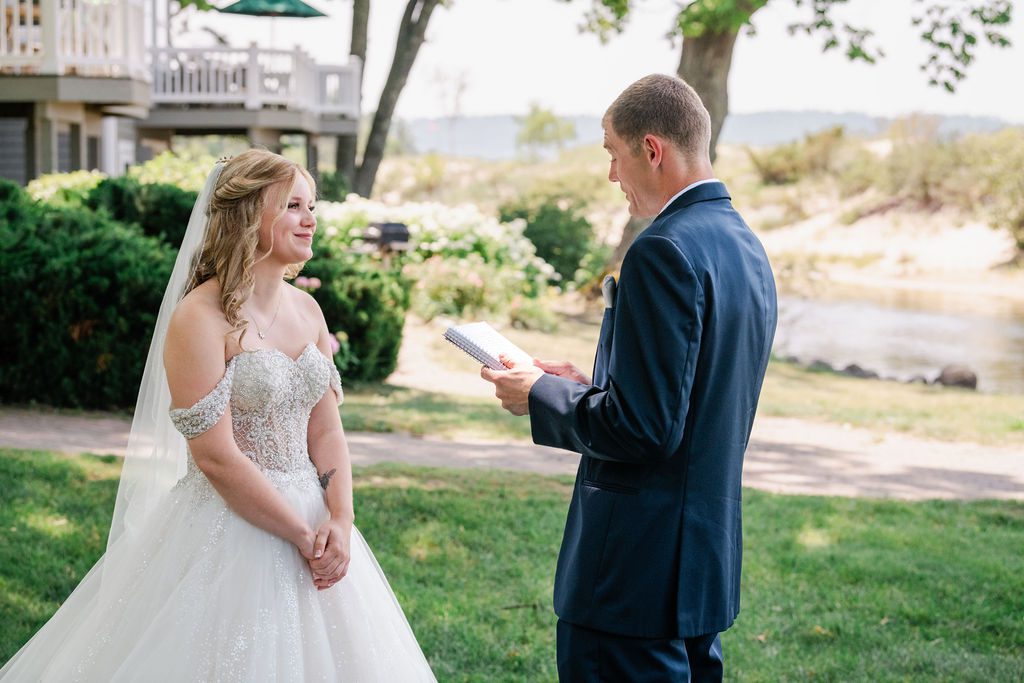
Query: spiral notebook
{"points": [[485, 344]]}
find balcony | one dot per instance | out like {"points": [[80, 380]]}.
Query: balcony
{"points": [[93, 51], [81, 87], [87, 38], [254, 79]]}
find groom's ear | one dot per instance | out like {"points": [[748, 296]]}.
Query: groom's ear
{"points": [[653, 149]]}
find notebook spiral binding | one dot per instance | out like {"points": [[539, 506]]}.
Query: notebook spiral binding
{"points": [[473, 350]]}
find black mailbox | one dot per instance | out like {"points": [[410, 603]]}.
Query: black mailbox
{"points": [[388, 236]]}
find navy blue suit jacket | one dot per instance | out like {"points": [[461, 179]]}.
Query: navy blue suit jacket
{"points": [[652, 543]]}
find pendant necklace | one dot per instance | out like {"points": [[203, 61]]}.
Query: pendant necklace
{"points": [[262, 334]]}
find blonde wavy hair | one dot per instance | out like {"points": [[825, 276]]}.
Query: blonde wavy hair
{"points": [[249, 183]]}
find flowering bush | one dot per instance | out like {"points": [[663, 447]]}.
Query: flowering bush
{"points": [[462, 262], [187, 172], [64, 188], [308, 284], [464, 287]]}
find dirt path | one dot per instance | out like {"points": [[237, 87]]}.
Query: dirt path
{"points": [[785, 455]]}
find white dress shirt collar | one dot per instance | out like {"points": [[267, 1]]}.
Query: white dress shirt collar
{"points": [[687, 189]]}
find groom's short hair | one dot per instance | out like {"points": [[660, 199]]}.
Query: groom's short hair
{"points": [[665, 106]]}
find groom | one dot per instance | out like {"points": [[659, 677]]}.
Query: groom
{"points": [[649, 569]]}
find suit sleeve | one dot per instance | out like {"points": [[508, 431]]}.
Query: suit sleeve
{"points": [[640, 415]]}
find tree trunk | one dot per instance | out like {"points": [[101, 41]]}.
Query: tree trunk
{"points": [[704, 63], [345, 155], [410, 37], [634, 226]]}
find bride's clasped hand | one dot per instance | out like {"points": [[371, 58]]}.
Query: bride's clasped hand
{"points": [[328, 551]]}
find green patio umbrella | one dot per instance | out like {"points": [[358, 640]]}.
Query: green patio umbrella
{"points": [[273, 8]]}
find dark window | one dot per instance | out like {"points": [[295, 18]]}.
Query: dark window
{"points": [[14, 143], [76, 147], [64, 152], [92, 153]]}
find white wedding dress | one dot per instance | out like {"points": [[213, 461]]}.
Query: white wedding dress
{"points": [[211, 597]]}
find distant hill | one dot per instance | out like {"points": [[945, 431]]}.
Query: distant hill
{"points": [[494, 137]]}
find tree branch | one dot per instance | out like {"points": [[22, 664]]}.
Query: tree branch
{"points": [[411, 34]]}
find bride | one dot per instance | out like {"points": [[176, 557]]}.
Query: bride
{"points": [[234, 558]]}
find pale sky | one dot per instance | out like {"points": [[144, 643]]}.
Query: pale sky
{"points": [[508, 53]]}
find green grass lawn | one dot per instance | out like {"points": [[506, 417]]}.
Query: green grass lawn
{"points": [[926, 411], [386, 408], [834, 589]]}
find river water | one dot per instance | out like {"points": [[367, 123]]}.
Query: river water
{"points": [[900, 334]]}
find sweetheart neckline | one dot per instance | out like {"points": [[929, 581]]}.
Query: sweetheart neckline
{"points": [[273, 349], [228, 367]]}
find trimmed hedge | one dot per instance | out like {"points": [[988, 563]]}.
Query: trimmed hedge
{"points": [[78, 302]]}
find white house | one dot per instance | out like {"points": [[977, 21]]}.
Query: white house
{"points": [[92, 84]]}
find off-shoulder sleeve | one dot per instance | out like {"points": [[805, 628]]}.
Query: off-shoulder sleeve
{"points": [[336, 384], [207, 411]]}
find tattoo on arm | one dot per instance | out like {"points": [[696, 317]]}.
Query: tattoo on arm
{"points": [[325, 478]]}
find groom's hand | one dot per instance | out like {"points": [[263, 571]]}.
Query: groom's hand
{"points": [[512, 386], [564, 369]]}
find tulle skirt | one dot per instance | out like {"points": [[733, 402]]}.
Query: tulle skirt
{"points": [[200, 594]]}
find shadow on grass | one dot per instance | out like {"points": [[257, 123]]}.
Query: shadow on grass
{"points": [[387, 408], [834, 589], [55, 514]]}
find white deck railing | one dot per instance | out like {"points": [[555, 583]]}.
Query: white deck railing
{"points": [[105, 38], [253, 78], [80, 37]]}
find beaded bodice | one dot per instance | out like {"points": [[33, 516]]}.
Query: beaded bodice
{"points": [[271, 397]]}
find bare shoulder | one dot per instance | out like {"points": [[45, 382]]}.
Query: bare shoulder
{"points": [[194, 348], [307, 305], [198, 312], [314, 317]]}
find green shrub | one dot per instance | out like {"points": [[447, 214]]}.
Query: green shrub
{"points": [[815, 155], [161, 210], [532, 314], [998, 160], [119, 197], [364, 303], [821, 149], [17, 212], [78, 302], [927, 173], [562, 236], [165, 211], [859, 172], [778, 165], [332, 187]]}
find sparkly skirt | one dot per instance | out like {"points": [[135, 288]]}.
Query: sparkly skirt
{"points": [[200, 594]]}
